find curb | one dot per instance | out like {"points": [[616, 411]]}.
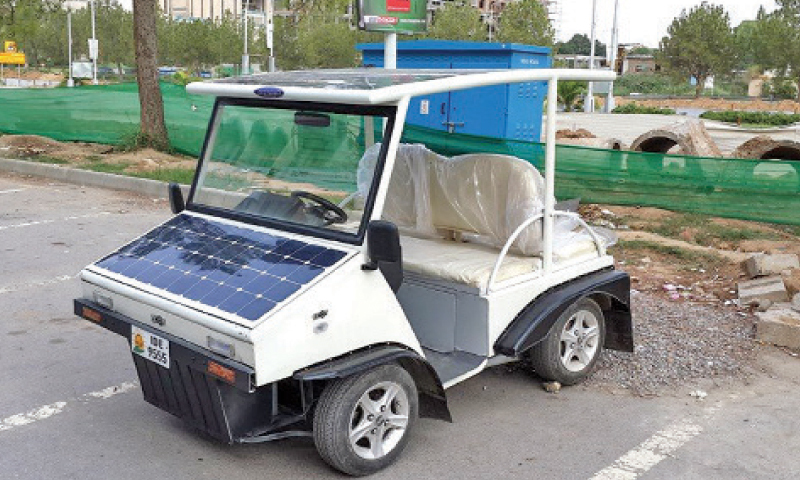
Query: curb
{"points": [[143, 186]]}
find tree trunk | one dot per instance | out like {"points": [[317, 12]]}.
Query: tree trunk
{"points": [[153, 129], [701, 82], [798, 88]]}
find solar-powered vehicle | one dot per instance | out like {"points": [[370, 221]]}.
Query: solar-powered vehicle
{"points": [[325, 279]]}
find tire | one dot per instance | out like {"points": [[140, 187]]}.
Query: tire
{"points": [[565, 357], [356, 408]]}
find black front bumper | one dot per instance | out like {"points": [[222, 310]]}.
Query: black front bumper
{"points": [[229, 409]]}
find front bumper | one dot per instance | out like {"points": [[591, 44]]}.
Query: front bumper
{"points": [[211, 393]]}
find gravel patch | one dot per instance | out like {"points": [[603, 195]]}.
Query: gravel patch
{"points": [[679, 344]]}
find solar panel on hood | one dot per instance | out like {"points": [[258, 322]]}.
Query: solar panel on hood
{"points": [[236, 270]]}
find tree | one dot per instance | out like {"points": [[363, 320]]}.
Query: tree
{"points": [[526, 22], [699, 44], [581, 44], [153, 129], [569, 92], [778, 37], [457, 22]]}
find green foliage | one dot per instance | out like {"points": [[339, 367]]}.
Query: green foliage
{"points": [[526, 22], [581, 44], [569, 92], [634, 108], [752, 118], [778, 37], [651, 83], [781, 87], [700, 44], [457, 22]]}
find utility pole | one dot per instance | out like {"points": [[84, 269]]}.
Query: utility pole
{"points": [[93, 46], [70, 81], [245, 55], [612, 57], [588, 105], [269, 25]]}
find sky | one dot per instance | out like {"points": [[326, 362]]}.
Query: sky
{"points": [[642, 21]]}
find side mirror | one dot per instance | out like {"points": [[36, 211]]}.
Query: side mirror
{"points": [[176, 202], [385, 253]]}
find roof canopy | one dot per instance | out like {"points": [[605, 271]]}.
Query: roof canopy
{"points": [[371, 86]]}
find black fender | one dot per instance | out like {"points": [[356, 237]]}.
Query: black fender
{"points": [[611, 289], [432, 398]]}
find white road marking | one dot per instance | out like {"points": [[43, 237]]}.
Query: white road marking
{"points": [[111, 391], [653, 450], [13, 190], [47, 411], [40, 413], [45, 222], [40, 283]]}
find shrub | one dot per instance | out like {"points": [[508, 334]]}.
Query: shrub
{"points": [[634, 108], [753, 118]]}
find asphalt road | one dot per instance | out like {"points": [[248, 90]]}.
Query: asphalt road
{"points": [[69, 409]]}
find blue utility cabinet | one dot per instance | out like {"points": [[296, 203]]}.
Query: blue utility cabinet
{"points": [[503, 111]]}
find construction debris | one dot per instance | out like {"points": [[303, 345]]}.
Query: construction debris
{"points": [[767, 288], [687, 137], [604, 143], [779, 326], [761, 265]]}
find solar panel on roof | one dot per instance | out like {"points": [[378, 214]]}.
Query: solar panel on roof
{"points": [[233, 269]]}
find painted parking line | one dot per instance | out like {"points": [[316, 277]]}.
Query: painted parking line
{"points": [[13, 190], [38, 283], [46, 222], [663, 444], [47, 411]]}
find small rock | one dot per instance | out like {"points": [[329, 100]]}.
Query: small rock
{"points": [[551, 387], [698, 394], [796, 302], [762, 305], [646, 260]]}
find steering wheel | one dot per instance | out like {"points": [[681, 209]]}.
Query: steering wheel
{"points": [[325, 209]]}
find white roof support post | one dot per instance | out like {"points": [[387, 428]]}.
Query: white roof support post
{"points": [[388, 168], [550, 175]]}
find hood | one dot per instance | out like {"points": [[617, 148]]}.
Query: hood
{"points": [[220, 268]]}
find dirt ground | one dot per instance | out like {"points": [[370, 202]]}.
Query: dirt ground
{"points": [[44, 149], [715, 104]]}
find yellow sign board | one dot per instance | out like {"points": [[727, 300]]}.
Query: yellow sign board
{"points": [[10, 55]]}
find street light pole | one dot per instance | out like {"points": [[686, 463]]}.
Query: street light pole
{"points": [[588, 105], [613, 56], [245, 55], [70, 81], [93, 46], [270, 26]]}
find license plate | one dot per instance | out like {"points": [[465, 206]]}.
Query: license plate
{"points": [[150, 346]]}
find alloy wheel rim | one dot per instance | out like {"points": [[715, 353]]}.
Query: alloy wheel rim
{"points": [[379, 420], [580, 341]]}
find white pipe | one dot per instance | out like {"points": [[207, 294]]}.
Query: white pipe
{"points": [[245, 55], [390, 51], [550, 175], [588, 105]]}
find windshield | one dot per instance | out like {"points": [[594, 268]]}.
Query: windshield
{"points": [[303, 169]]}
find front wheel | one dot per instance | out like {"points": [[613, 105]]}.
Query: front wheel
{"points": [[362, 423], [569, 352]]}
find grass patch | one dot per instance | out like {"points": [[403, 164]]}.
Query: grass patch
{"points": [[687, 258], [763, 119], [183, 176], [705, 231], [103, 167], [635, 108]]}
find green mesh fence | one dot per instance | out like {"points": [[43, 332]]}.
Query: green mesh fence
{"points": [[747, 189]]}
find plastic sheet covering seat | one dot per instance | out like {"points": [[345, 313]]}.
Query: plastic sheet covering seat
{"points": [[455, 214]]}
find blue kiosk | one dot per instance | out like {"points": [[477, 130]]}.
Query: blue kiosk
{"points": [[510, 111]]}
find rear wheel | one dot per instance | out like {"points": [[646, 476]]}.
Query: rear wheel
{"points": [[362, 423], [570, 351]]}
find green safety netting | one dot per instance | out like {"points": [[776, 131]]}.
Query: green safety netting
{"points": [[747, 189]]}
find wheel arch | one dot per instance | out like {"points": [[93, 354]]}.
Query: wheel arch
{"points": [[609, 288], [432, 397]]}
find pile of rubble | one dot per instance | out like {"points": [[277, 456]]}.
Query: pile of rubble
{"points": [[773, 289]]}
